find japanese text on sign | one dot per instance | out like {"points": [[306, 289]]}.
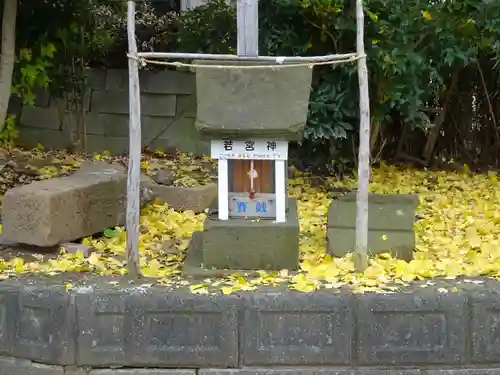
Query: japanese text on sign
{"points": [[261, 206], [256, 149]]}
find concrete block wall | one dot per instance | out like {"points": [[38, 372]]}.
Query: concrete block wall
{"points": [[168, 104], [190, 4]]}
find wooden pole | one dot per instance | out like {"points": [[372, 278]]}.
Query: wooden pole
{"points": [[134, 162], [361, 250], [247, 19]]}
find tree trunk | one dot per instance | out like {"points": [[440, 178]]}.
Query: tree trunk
{"points": [[7, 57]]}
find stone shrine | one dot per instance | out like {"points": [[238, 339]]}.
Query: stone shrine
{"points": [[250, 115]]}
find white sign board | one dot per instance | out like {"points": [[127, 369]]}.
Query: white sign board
{"points": [[252, 149]]}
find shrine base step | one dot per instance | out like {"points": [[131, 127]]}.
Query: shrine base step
{"points": [[239, 244]]}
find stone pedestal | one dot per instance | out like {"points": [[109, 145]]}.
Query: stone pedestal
{"points": [[390, 224], [241, 245]]}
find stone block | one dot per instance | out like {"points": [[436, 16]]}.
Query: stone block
{"points": [[100, 143], [110, 132], [9, 318], [196, 146], [240, 244], [158, 104], [45, 330], [143, 371], [244, 101], [168, 82], [69, 108], [186, 106], [114, 125], [196, 199], [14, 366], [180, 329], [42, 97], [73, 370], [463, 371], [412, 328], [296, 329], [117, 80], [190, 4], [96, 78], [104, 336], [390, 224], [309, 371], [117, 102], [73, 248], [39, 117], [67, 208], [485, 326], [110, 102], [155, 82], [181, 133], [30, 137], [15, 106]]}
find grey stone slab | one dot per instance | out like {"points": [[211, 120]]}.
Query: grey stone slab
{"points": [[74, 248], [46, 326], [72, 370], [156, 82], [96, 78], [186, 106], [42, 97], [400, 244], [179, 329], [390, 224], [39, 117], [464, 371], [109, 124], [109, 102], [485, 326], [65, 209], [30, 137], [13, 366], [100, 143], [104, 329], [196, 198], [148, 371], [309, 371], [195, 146], [168, 82], [243, 102], [117, 125], [295, 329], [9, 318], [158, 104], [388, 211], [180, 133], [421, 327], [116, 80], [15, 106], [117, 102], [161, 127]]}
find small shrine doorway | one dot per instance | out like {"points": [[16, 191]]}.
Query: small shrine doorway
{"points": [[240, 180]]}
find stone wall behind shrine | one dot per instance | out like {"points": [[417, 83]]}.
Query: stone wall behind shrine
{"points": [[168, 105]]}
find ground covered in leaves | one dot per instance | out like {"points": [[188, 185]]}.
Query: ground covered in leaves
{"points": [[458, 233]]}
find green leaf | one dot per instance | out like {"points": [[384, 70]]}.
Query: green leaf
{"points": [[110, 233]]}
